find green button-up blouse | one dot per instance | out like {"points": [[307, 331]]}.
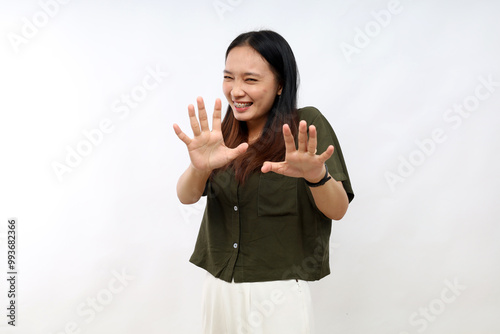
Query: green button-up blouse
{"points": [[269, 228]]}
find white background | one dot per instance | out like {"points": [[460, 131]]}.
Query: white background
{"points": [[117, 210]]}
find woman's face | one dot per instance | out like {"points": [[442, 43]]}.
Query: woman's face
{"points": [[250, 86]]}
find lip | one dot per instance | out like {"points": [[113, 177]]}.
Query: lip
{"points": [[241, 109]]}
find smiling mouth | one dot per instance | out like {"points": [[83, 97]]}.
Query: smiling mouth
{"points": [[242, 105]]}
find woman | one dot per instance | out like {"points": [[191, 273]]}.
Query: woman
{"points": [[274, 177]]}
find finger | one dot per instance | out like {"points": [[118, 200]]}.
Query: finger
{"points": [[302, 138], [289, 142], [276, 167], [236, 152], [327, 154], [216, 121], [182, 136], [202, 114], [239, 150], [313, 140], [195, 126]]}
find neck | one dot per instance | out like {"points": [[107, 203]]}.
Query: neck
{"points": [[255, 128], [253, 136], [254, 132]]}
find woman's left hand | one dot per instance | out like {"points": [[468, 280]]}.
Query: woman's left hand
{"points": [[302, 162]]}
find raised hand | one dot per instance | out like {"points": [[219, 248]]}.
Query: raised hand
{"points": [[302, 162], [207, 150]]}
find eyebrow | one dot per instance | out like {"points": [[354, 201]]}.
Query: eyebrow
{"points": [[246, 73]]}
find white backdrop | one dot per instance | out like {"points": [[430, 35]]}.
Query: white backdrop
{"points": [[89, 160]]}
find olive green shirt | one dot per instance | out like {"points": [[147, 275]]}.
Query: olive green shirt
{"points": [[269, 228]]}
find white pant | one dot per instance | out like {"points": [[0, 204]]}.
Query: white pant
{"points": [[256, 308]]}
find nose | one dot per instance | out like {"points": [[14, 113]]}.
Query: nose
{"points": [[237, 90]]}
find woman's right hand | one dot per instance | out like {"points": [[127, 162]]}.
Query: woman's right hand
{"points": [[207, 150]]}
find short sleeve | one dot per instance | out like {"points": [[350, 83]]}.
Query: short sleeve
{"points": [[326, 137]]}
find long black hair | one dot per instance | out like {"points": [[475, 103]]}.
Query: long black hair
{"points": [[270, 146]]}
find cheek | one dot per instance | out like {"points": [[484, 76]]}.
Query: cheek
{"points": [[256, 94], [226, 89], [268, 95]]}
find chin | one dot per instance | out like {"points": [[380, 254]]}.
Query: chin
{"points": [[240, 117]]}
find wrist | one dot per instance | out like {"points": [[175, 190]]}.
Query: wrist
{"points": [[321, 181], [202, 173], [318, 177]]}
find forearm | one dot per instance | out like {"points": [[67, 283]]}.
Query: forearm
{"points": [[331, 199], [191, 185]]}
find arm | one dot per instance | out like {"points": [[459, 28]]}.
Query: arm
{"points": [[191, 185], [330, 198]]}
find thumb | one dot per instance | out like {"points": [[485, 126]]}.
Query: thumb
{"points": [[268, 166], [239, 150]]}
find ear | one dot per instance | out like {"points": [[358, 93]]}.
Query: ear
{"points": [[280, 89]]}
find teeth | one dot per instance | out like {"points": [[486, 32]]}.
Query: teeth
{"points": [[242, 105]]}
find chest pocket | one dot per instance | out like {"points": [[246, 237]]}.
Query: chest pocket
{"points": [[277, 195]]}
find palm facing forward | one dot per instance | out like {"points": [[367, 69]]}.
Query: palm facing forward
{"points": [[302, 162], [207, 150]]}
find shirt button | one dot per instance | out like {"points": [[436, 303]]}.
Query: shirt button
{"points": [[235, 245], [235, 208]]}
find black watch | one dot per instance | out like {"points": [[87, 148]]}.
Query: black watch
{"points": [[322, 181]]}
